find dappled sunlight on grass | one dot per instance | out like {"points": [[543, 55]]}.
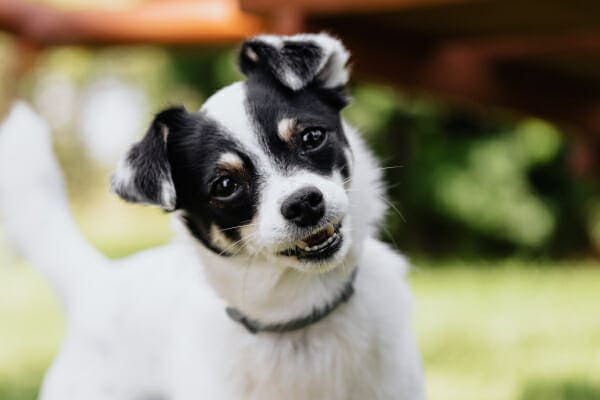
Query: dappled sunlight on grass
{"points": [[561, 390], [488, 332], [31, 327]]}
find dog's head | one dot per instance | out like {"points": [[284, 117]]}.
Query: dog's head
{"points": [[265, 168]]}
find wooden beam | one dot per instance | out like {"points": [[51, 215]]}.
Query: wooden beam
{"points": [[157, 22], [581, 43], [287, 20], [462, 76], [499, 72], [461, 73], [321, 7]]}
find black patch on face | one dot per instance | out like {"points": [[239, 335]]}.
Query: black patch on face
{"points": [[268, 102], [194, 152], [200, 232]]}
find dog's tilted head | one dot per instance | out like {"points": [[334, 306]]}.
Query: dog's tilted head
{"points": [[264, 169]]}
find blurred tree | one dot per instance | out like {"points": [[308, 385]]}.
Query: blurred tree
{"points": [[469, 184]]}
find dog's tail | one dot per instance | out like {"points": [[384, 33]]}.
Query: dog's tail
{"points": [[34, 206]]}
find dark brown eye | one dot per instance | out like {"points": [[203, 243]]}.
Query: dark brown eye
{"points": [[313, 138], [225, 188]]}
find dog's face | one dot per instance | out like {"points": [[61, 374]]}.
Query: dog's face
{"points": [[263, 169]]}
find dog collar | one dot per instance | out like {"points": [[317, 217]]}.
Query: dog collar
{"points": [[254, 326]]}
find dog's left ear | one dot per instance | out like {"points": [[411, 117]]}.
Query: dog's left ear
{"points": [[297, 61], [144, 173]]}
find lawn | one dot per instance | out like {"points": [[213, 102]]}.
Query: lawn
{"points": [[499, 331], [510, 331]]}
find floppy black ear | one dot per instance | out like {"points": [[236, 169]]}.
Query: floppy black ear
{"points": [[144, 174], [297, 61]]}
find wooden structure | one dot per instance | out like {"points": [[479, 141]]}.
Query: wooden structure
{"points": [[198, 22], [539, 57]]}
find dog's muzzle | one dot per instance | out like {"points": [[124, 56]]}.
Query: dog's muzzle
{"points": [[319, 245]]}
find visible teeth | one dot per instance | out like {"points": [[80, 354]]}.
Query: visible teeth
{"points": [[322, 245], [303, 245], [330, 230]]}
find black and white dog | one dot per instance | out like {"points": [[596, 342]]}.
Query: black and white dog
{"points": [[276, 287]]}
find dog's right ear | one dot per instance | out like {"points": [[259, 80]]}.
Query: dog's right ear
{"points": [[144, 174], [297, 61]]}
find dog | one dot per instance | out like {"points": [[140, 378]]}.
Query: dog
{"points": [[275, 286]]}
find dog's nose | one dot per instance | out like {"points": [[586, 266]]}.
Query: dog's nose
{"points": [[305, 207]]}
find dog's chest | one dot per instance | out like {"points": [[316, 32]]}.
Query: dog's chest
{"points": [[315, 364], [332, 360]]}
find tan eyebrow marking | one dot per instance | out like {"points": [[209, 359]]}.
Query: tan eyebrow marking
{"points": [[230, 161], [285, 129]]}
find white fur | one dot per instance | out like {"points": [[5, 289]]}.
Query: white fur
{"points": [[154, 325], [227, 106]]}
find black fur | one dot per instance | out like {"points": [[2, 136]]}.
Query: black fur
{"points": [[188, 159], [268, 103], [298, 58], [148, 160], [193, 154], [301, 59]]}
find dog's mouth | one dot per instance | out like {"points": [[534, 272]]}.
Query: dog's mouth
{"points": [[319, 245]]}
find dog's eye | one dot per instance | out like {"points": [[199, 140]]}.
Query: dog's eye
{"points": [[313, 138], [225, 188]]}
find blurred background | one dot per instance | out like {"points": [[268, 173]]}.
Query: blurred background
{"points": [[484, 113]]}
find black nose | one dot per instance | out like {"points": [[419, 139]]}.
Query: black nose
{"points": [[304, 207]]}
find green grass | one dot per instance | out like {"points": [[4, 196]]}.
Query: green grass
{"points": [[491, 332], [31, 327], [510, 331]]}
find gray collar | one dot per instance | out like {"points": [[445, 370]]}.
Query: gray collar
{"points": [[317, 314]]}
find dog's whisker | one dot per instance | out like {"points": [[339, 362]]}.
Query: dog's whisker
{"points": [[393, 207], [238, 227], [226, 249], [243, 242], [390, 167], [389, 203], [389, 234], [387, 188]]}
